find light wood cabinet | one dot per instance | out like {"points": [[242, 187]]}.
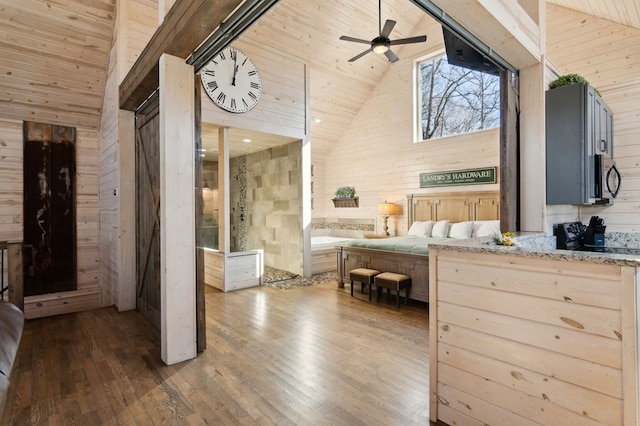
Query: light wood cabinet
{"points": [[233, 271], [532, 340]]}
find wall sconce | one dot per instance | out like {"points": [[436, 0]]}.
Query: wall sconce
{"points": [[388, 209]]}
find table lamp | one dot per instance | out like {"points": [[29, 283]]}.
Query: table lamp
{"points": [[388, 209]]}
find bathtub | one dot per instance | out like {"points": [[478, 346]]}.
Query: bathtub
{"points": [[323, 253]]}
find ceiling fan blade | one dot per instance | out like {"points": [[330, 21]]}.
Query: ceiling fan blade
{"points": [[390, 56], [388, 27], [355, 58], [357, 40], [417, 39]]}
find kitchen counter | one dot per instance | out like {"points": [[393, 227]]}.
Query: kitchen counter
{"points": [[533, 335], [540, 246]]}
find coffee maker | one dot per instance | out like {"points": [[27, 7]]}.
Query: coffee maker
{"points": [[577, 236]]}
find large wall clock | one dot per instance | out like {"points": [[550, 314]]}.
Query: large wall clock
{"points": [[232, 81]]}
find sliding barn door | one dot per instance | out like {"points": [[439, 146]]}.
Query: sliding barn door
{"points": [[49, 208], [148, 210]]}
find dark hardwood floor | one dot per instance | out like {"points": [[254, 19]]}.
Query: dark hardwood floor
{"points": [[305, 356]]}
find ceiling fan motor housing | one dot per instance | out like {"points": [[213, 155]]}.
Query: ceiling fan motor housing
{"points": [[382, 43]]}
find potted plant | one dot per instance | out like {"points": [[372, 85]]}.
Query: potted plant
{"points": [[569, 79], [345, 197]]}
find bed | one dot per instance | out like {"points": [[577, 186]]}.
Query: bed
{"points": [[409, 254]]}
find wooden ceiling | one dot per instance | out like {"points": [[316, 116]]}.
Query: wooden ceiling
{"points": [[54, 56], [55, 53], [626, 12]]}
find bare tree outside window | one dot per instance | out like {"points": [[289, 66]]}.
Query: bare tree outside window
{"points": [[455, 100]]}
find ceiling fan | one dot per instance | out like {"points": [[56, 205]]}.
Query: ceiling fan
{"points": [[382, 43]]}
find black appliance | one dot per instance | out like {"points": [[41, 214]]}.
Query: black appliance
{"points": [[607, 179], [577, 236], [460, 53], [568, 235]]}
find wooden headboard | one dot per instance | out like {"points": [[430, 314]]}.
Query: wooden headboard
{"points": [[456, 206]]}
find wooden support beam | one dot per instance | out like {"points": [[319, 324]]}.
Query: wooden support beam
{"points": [[186, 26], [201, 319], [509, 165], [502, 24], [177, 207]]}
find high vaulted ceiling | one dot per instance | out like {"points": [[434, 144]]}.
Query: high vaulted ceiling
{"points": [[626, 12], [54, 54]]}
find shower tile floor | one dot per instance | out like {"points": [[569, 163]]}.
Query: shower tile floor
{"points": [[284, 280]]}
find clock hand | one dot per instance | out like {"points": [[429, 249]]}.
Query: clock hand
{"points": [[235, 71]]}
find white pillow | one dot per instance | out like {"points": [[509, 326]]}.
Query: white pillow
{"points": [[485, 228], [421, 229], [440, 229], [461, 230]]}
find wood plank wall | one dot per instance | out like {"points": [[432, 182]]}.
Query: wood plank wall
{"points": [[282, 106], [11, 180], [604, 53], [377, 154], [141, 22], [45, 47], [135, 23], [108, 161], [88, 218]]}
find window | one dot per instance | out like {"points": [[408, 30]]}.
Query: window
{"points": [[454, 100]]}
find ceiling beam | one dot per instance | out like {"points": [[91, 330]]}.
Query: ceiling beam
{"points": [[186, 26], [504, 25], [242, 18]]}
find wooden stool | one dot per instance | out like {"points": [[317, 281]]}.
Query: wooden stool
{"points": [[393, 281], [364, 276]]}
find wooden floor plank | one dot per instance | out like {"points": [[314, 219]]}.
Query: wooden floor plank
{"points": [[312, 355]]}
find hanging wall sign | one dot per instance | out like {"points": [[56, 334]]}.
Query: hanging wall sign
{"points": [[459, 177]]}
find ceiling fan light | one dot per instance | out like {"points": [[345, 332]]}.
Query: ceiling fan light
{"points": [[380, 48]]}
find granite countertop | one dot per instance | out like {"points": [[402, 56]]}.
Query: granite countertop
{"points": [[537, 245]]}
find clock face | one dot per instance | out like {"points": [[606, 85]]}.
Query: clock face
{"points": [[232, 81]]}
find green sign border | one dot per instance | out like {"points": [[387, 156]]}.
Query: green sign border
{"points": [[459, 177]]}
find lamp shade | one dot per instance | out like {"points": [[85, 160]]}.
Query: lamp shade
{"points": [[388, 209]]}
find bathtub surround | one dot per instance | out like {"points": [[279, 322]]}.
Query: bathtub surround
{"points": [[342, 227], [326, 233], [323, 253]]}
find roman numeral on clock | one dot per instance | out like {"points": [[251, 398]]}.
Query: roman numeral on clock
{"points": [[221, 97], [233, 103], [212, 85], [255, 85]]}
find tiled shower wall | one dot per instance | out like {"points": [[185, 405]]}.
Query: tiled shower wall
{"points": [[266, 205]]}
